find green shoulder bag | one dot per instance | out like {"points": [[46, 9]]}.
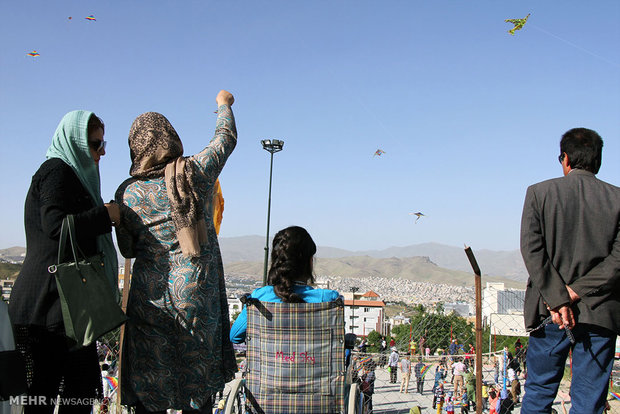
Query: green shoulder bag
{"points": [[89, 309]]}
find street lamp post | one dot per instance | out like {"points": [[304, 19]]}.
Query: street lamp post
{"points": [[272, 146], [353, 289], [490, 332]]}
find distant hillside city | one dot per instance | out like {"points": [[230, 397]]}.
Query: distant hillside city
{"points": [[387, 288], [426, 273]]}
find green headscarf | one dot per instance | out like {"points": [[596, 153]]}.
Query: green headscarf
{"points": [[70, 144]]}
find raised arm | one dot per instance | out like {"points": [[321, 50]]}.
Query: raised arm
{"points": [[211, 160]]}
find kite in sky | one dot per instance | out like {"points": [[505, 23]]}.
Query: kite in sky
{"points": [[519, 23], [34, 53], [416, 214], [378, 152], [91, 18]]}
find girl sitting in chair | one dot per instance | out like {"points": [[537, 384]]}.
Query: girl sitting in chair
{"points": [[289, 276]]}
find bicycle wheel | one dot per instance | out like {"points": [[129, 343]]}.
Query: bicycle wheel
{"points": [[235, 402]]}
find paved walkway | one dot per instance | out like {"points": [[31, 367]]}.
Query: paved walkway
{"points": [[388, 400]]}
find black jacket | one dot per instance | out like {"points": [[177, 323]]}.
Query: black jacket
{"points": [[55, 191]]}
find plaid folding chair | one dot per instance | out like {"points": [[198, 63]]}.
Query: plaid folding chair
{"points": [[295, 359]]}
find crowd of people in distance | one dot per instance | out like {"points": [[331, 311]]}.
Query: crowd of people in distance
{"points": [[454, 383]]}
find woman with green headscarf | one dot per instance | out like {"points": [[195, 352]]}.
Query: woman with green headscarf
{"points": [[66, 183]]}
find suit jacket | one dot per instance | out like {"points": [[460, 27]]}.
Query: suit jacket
{"points": [[570, 235]]}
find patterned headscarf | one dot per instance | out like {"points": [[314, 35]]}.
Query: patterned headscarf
{"points": [[156, 150], [70, 144]]}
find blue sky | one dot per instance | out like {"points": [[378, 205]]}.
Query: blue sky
{"points": [[468, 115]]}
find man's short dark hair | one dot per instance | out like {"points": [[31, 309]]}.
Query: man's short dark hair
{"points": [[584, 148]]}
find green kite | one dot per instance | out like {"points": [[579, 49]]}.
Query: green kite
{"points": [[519, 23]]}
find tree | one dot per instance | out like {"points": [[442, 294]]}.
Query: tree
{"points": [[401, 336], [498, 342], [439, 308], [374, 341], [437, 329], [419, 309]]}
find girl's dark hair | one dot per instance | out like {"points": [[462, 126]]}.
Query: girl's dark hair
{"points": [[94, 123], [291, 261]]}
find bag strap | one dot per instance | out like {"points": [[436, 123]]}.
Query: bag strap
{"points": [[67, 229]]}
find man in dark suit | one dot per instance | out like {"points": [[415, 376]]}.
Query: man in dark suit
{"points": [[570, 242]]}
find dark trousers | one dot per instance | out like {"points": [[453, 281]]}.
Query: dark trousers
{"points": [[393, 371], [51, 363], [367, 403], [141, 409], [419, 381], [593, 355]]}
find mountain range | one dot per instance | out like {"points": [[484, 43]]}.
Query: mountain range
{"points": [[426, 262], [13, 254]]}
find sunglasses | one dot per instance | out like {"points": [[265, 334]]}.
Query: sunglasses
{"points": [[97, 146], [561, 158]]}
